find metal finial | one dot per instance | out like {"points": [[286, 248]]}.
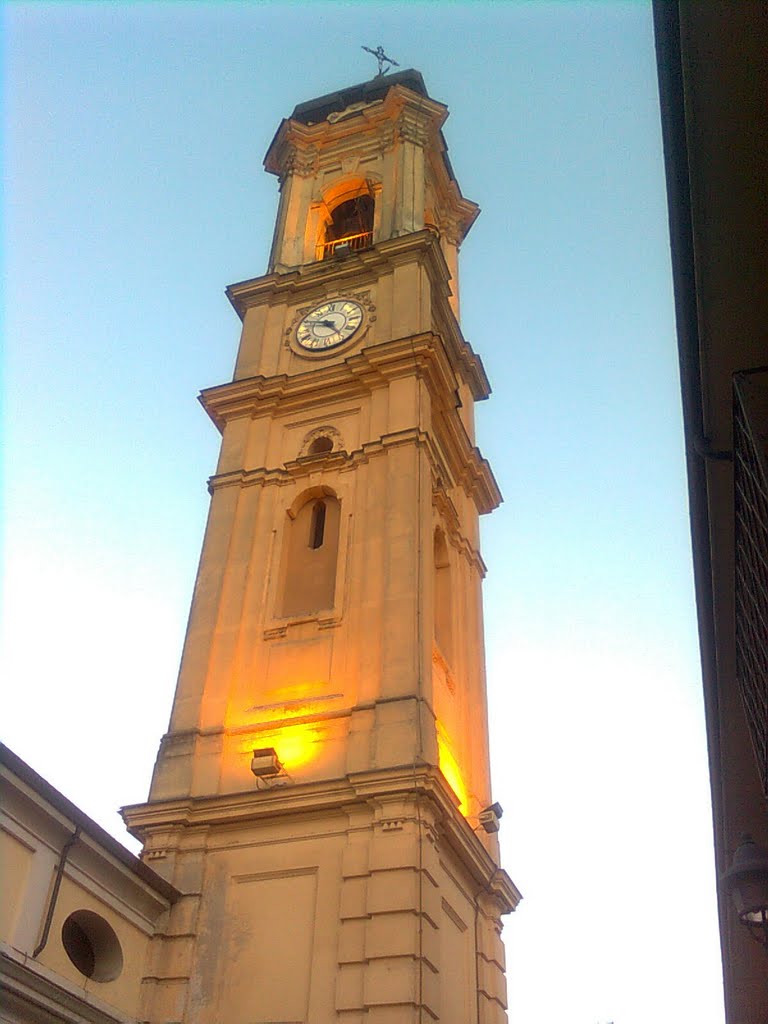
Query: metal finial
{"points": [[382, 58]]}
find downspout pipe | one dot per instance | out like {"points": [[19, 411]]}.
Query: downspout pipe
{"points": [[55, 892]]}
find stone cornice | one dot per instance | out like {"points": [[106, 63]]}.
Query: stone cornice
{"points": [[401, 107], [35, 992], [449, 518], [29, 797], [360, 267], [423, 354], [307, 466], [288, 285], [340, 795], [375, 127], [457, 214], [305, 283], [452, 826]]}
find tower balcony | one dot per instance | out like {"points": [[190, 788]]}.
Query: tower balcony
{"points": [[349, 243]]}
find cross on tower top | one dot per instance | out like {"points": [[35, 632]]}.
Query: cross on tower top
{"points": [[382, 58]]}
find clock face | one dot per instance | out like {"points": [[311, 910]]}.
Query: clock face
{"points": [[330, 324]]}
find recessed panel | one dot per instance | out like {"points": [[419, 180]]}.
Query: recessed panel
{"points": [[271, 922]]}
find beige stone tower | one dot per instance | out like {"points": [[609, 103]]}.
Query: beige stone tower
{"points": [[345, 871]]}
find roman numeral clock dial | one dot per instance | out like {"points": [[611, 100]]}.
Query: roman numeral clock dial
{"points": [[329, 325]]}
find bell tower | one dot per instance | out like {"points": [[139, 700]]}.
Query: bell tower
{"points": [[322, 796]]}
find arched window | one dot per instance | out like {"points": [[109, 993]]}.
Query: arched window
{"points": [[351, 225], [442, 597], [320, 445], [309, 558]]}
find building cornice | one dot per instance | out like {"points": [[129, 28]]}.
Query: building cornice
{"points": [[375, 126], [33, 992], [205, 813], [30, 786], [399, 104], [359, 374], [297, 285]]}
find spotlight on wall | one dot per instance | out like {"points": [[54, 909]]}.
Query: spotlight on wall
{"points": [[490, 817], [265, 763], [747, 882]]}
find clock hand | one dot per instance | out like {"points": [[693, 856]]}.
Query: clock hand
{"points": [[327, 323]]}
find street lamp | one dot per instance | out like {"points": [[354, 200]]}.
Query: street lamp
{"points": [[747, 882]]}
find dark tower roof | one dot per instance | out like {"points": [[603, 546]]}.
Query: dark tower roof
{"points": [[317, 110], [314, 111]]}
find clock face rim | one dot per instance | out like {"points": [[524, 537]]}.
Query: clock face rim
{"points": [[320, 346]]}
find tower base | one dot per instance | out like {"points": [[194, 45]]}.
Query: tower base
{"points": [[364, 899]]}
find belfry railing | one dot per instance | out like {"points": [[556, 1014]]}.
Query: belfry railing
{"points": [[353, 243]]}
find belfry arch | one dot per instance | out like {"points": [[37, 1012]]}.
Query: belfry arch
{"points": [[347, 217]]}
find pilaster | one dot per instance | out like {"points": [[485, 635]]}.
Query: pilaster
{"points": [[491, 962]]}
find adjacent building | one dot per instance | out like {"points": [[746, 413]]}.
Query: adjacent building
{"points": [[713, 78], [78, 912]]}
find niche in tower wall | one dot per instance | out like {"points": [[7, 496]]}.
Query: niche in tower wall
{"points": [[309, 557], [443, 630]]}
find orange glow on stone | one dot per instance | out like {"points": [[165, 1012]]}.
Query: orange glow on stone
{"points": [[295, 745], [449, 766]]}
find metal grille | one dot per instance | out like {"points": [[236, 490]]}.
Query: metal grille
{"points": [[751, 535], [362, 240]]}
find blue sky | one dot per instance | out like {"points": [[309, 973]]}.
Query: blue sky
{"points": [[134, 194]]}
